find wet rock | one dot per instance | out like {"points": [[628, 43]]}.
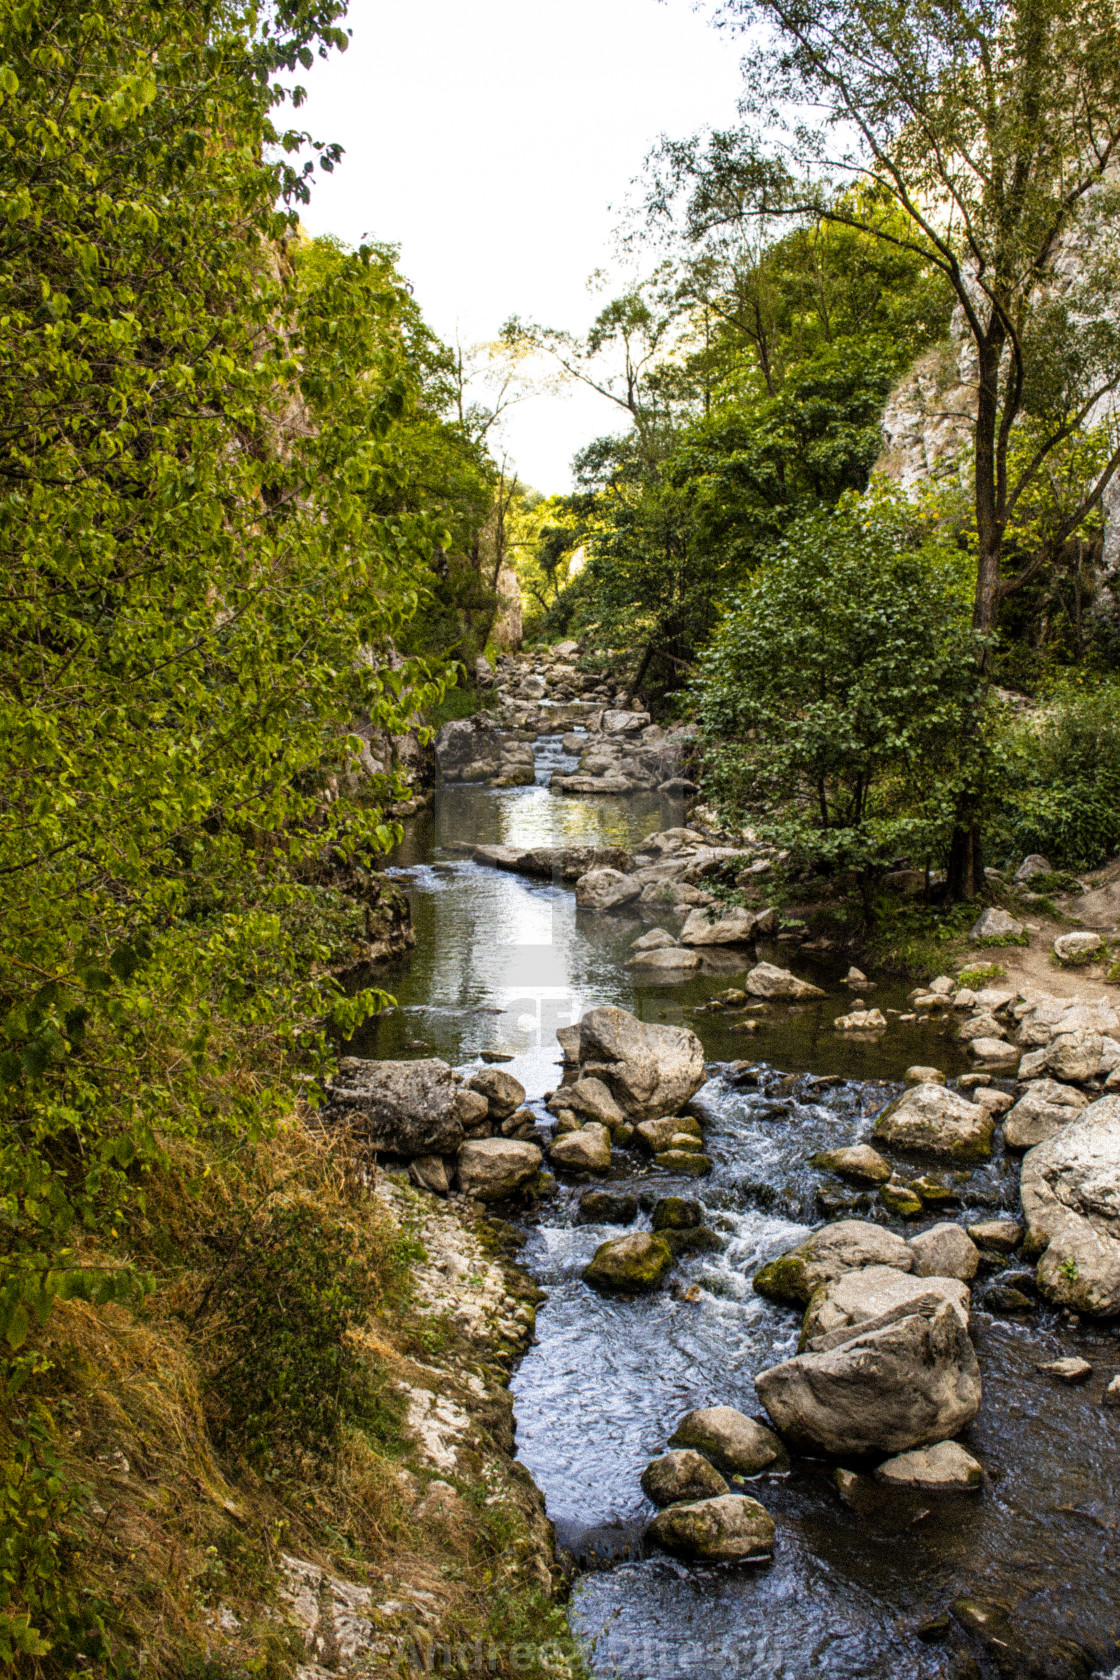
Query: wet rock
{"points": [[681, 1476], [657, 1135], [1075, 949], [944, 1468], [685, 1162], [996, 1102], [900, 1199], [847, 1246], [502, 1091], [859, 1163], [493, 1168], [403, 1108], [1070, 1189], [891, 1387], [1111, 1395], [588, 1150], [861, 1020], [1075, 1056], [430, 1173], [589, 1097], [933, 1190], [522, 1123], [606, 889], [735, 1443], [923, 1076], [566, 1122], [651, 1069], [631, 1265], [603, 1207], [945, 1251], [1041, 1112], [713, 1530], [767, 981], [1005, 1298], [1071, 1370], [657, 939], [568, 1040], [876, 1291], [670, 960], [734, 926], [995, 924], [677, 1213], [996, 1236], [934, 1119]]}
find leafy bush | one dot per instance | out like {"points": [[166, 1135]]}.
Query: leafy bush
{"points": [[1063, 795]]}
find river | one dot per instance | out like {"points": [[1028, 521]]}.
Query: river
{"points": [[500, 962]]}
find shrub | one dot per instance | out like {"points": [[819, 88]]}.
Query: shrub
{"points": [[1063, 797]]}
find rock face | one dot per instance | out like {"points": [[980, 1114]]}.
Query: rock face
{"points": [[767, 981], [404, 1108], [734, 927], [588, 1150], [630, 1265], [1041, 1112], [715, 1529], [681, 1476], [650, 1069], [858, 1297], [937, 1121], [945, 1251], [735, 1443], [889, 1388], [847, 1246], [945, 1468], [1071, 1198], [606, 889], [493, 1168]]}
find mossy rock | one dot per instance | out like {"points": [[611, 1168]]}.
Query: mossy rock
{"points": [[900, 1199], [631, 1265], [783, 1280], [697, 1241], [684, 1162], [677, 1213]]}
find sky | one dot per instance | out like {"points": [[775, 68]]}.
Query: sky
{"points": [[495, 143]]}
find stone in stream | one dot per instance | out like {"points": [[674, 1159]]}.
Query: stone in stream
{"points": [[493, 1168], [858, 1297], [502, 1091], [933, 1119], [734, 926], [1111, 1395], [944, 1468], [680, 1476], [403, 1108], [994, 1053], [1070, 1189], [604, 1207], [651, 1069], [677, 1213], [980, 1026], [656, 1135], [671, 960], [767, 981], [606, 889], [657, 939], [900, 1199], [522, 1123], [919, 1075], [588, 1150], [1075, 1056], [686, 1163], [474, 1112], [568, 1040], [895, 1383], [859, 1163], [945, 1251], [1044, 1108], [631, 1265], [735, 1443], [715, 1530], [846, 1246], [996, 1236], [1070, 1370], [589, 1097]]}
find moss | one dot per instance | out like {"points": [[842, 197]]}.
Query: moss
{"points": [[784, 1280], [684, 1162], [900, 1199], [978, 975], [629, 1265]]}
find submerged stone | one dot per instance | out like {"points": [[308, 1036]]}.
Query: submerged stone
{"points": [[712, 1530]]}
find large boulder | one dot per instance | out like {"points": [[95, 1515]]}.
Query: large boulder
{"points": [[631, 1265], [858, 1297], [589, 1097], [502, 1091], [588, 1150], [937, 1121], [606, 889], [493, 1168], [651, 1069], [735, 1443], [1044, 1108], [896, 1383], [1076, 1055], [404, 1108], [847, 1246], [735, 926], [767, 981], [1070, 1189], [715, 1530], [681, 1476]]}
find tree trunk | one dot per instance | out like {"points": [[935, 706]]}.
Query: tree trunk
{"points": [[966, 859]]}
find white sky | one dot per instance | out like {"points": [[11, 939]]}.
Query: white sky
{"points": [[490, 141]]}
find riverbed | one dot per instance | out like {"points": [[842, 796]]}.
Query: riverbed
{"points": [[500, 962]]}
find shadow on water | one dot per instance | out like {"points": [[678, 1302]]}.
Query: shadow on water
{"points": [[500, 962]]}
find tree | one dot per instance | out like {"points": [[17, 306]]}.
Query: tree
{"points": [[835, 697]]}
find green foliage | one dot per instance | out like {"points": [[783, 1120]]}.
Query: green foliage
{"points": [[839, 696], [1063, 774], [977, 975]]}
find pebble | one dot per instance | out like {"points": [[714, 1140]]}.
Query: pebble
{"points": [[1071, 1370]]}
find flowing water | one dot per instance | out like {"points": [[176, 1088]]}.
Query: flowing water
{"points": [[500, 962]]}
